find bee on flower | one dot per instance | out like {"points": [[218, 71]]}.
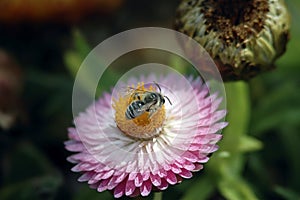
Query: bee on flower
{"points": [[152, 137], [144, 101]]}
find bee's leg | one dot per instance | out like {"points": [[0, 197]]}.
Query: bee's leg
{"points": [[151, 112], [136, 96]]}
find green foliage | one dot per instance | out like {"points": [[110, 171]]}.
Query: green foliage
{"points": [[228, 169], [30, 176]]}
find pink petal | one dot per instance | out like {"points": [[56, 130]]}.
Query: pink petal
{"points": [[209, 148], [112, 183], [197, 167], [164, 185], [175, 169], [121, 177], [203, 159], [93, 181], [130, 187], [190, 156], [194, 147], [102, 168], [146, 176], [162, 173], [73, 134], [119, 190], [155, 179], [185, 173], [103, 185], [171, 178], [77, 168], [189, 166], [74, 146], [167, 167], [132, 176], [86, 176], [138, 180], [207, 139], [179, 179], [71, 159], [146, 188], [107, 174]]}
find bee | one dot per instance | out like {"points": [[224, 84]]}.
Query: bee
{"points": [[145, 101]]}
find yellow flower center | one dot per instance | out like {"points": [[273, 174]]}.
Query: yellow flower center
{"points": [[143, 126]]}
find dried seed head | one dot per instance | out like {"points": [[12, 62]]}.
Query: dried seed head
{"points": [[243, 37]]}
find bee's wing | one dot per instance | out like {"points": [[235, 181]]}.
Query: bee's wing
{"points": [[144, 108], [129, 91]]}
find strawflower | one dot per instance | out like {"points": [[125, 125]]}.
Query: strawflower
{"points": [[133, 157]]}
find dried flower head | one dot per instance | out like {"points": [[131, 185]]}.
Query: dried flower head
{"points": [[135, 156], [243, 37]]}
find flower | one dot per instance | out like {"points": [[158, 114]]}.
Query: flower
{"points": [[243, 37], [134, 157]]}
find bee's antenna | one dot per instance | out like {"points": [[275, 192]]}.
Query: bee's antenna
{"points": [[168, 100], [157, 86]]}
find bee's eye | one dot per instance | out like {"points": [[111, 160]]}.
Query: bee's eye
{"points": [[153, 95]]}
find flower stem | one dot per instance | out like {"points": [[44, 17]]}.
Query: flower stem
{"points": [[157, 196]]}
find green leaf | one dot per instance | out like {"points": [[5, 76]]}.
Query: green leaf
{"points": [[238, 117], [43, 187], [201, 189], [229, 162], [158, 196], [81, 45], [74, 58], [236, 189], [248, 144], [287, 193], [26, 158], [238, 106], [73, 62], [90, 194]]}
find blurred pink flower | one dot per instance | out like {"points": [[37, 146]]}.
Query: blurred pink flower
{"points": [[115, 155]]}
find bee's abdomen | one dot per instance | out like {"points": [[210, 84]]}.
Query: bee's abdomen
{"points": [[134, 110], [130, 114]]}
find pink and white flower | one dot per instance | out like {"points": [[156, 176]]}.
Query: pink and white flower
{"points": [[136, 157]]}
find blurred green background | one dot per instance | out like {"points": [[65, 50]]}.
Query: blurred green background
{"points": [[35, 106]]}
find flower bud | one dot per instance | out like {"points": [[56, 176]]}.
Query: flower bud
{"points": [[243, 37]]}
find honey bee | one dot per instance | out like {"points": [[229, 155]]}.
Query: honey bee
{"points": [[145, 101]]}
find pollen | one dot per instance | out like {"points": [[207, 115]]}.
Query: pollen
{"points": [[143, 127]]}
